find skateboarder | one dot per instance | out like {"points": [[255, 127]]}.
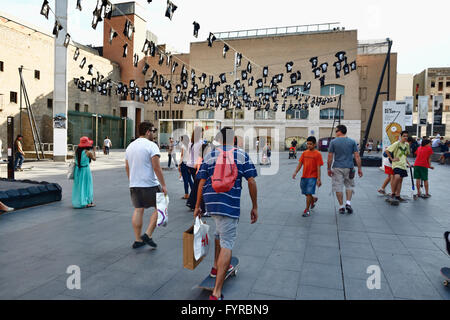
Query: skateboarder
{"points": [[220, 186], [398, 153], [421, 165], [311, 160]]}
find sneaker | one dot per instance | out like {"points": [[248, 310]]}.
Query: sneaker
{"points": [[349, 208], [138, 244], [211, 297], [342, 210], [213, 272], [306, 213], [447, 241], [148, 240]]}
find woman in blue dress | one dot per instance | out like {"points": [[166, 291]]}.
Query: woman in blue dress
{"points": [[83, 188]]}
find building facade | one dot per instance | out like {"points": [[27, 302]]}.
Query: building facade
{"points": [[275, 51], [25, 45], [371, 59], [432, 82]]}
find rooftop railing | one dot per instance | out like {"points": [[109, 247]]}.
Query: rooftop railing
{"points": [[275, 31]]}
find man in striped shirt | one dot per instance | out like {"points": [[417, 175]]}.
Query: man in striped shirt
{"points": [[225, 208]]}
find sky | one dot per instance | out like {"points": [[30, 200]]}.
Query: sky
{"points": [[419, 29]]}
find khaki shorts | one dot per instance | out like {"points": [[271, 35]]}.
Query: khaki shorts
{"points": [[340, 179]]}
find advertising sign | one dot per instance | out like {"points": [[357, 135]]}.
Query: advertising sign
{"points": [[409, 111], [393, 121], [438, 105], [423, 110]]}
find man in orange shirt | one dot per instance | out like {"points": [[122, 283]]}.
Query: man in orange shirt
{"points": [[311, 160]]}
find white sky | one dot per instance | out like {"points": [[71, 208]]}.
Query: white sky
{"points": [[419, 29]]}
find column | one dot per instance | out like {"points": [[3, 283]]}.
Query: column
{"points": [[60, 95]]}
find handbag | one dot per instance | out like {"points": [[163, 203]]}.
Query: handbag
{"points": [[71, 170]]}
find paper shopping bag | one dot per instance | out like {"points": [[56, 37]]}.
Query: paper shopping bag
{"points": [[189, 261]]}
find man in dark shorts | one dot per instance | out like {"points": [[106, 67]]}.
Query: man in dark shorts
{"points": [[146, 179]]}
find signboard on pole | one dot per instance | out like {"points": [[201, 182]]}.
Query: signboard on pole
{"points": [[409, 111], [393, 121], [438, 105], [423, 110]]}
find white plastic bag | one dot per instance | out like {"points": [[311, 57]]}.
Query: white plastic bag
{"points": [[162, 205], [201, 239], [71, 170]]}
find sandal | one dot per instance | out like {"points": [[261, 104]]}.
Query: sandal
{"points": [[381, 191], [90, 205]]}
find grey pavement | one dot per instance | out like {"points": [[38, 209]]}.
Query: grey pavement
{"points": [[282, 256]]}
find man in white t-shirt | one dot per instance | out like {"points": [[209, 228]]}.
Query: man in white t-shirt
{"points": [[107, 144], [144, 173]]}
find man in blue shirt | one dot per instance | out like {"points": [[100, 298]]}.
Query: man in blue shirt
{"points": [[225, 207], [342, 149]]}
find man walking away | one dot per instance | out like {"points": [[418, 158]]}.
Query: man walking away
{"points": [[142, 163], [172, 154], [220, 186], [20, 155], [107, 144], [342, 150], [398, 153]]}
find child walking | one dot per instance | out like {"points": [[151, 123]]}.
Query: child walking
{"points": [[421, 165], [311, 160], [390, 175]]}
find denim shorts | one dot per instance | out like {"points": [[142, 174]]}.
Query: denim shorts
{"points": [[308, 185], [226, 231]]}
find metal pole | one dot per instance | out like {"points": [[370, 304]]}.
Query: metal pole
{"points": [[432, 116], [10, 129], [20, 108], [374, 106]]}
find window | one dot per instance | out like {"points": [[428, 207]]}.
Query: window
{"points": [[1, 66], [176, 114], [13, 97], [205, 114], [37, 74], [86, 108], [362, 71], [332, 90], [447, 108], [181, 114], [300, 90], [330, 114], [263, 90], [447, 84], [362, 94], [50, 103], [433, 84], [239, 114], [114, 112], [77, 107], [447, 96], [297, 114], [265, 115], [441, 86]]}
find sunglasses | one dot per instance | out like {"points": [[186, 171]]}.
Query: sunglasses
{"points": [[153, 130]]}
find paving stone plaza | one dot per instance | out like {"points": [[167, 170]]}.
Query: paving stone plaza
{"points": [[282, 256]]}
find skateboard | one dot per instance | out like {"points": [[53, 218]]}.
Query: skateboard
{"points": [[210, 282], [446, 274]]}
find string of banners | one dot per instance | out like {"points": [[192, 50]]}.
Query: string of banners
{"points": [[203, 89]]}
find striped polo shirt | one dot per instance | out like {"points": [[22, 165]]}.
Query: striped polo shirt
{"points": [[227, 203]]}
